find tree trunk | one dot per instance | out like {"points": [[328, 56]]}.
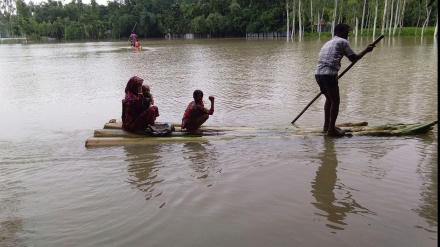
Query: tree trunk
{"points": [[318, 27], [391, 18], [375, 19], [299, 21], [287, 14], [436, 27], [397, 17], [356, 28], [368, 21], [418, 18], [384, 17], [341, 4], [402, 15], [293, 18], [425, 24], [363, 17], [311, 15], [334, 17]]}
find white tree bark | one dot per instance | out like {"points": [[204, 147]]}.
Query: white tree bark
{"points": [[288, 21], [318, 27], [401, 16], [299, 21], [384, 17], [293, 18], [436, 27], [375, 19], [356, 28], [363, 17], [418, 18], [341, 4], [397, 17], [391, 18], [368, 20], [334, 17], [311, 15], [425, 24]]}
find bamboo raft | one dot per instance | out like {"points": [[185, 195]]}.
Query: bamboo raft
{"points": [[113, 135]]}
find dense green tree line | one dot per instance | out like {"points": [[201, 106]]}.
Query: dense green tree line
{"points": [[216, 18]]}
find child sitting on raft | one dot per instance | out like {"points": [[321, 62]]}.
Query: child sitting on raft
{"points": [[149, 101]]}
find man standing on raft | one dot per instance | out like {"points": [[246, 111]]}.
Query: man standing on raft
{"points": [[329, 63], [196, 114]]}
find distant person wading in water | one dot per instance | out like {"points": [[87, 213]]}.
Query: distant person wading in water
{"points": [[133, 38]]}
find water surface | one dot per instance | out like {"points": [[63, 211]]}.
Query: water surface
{"points": [[303, 191]]}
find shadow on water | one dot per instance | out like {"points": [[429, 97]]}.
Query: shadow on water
{"points": [[326, 187]]}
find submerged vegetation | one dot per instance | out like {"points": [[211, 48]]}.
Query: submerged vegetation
{"points": [[213, 18]]}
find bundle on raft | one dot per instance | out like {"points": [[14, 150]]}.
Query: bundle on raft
{"points": [[113, 135]]}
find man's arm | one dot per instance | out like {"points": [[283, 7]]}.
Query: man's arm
{"points": [[211, 110], [355, 57]]}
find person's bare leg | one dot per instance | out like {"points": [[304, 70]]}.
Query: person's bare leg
{"points": [[201, 120], [327, 107], [198, 122], [333, 95]]}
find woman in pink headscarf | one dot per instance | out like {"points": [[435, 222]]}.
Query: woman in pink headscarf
{"points": [[135, 115]]}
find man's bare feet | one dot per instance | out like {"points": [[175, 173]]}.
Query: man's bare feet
{"points": [[336, 132], [325, 129], [196, 132]]}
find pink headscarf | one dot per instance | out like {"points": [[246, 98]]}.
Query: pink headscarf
{"points": [[132, 85]]}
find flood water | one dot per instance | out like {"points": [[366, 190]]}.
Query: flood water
{"points": [[303, 191]]}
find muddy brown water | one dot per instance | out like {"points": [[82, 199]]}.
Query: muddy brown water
{"points": [[304, 191]]}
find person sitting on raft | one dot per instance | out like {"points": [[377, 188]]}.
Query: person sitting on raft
{"points": [[136, 117], [196, 114]]}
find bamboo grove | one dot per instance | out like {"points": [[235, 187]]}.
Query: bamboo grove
{"points": [[210, 18]]}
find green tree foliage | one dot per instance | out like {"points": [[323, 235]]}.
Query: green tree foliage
{"points": [[7, 9], [216, 18]]}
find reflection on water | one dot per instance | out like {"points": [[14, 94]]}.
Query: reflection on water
{"points": [[428, 170], [332, 195], [144, 162], [10, 229], [152, 168], [11, 225], [202, 160]]}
